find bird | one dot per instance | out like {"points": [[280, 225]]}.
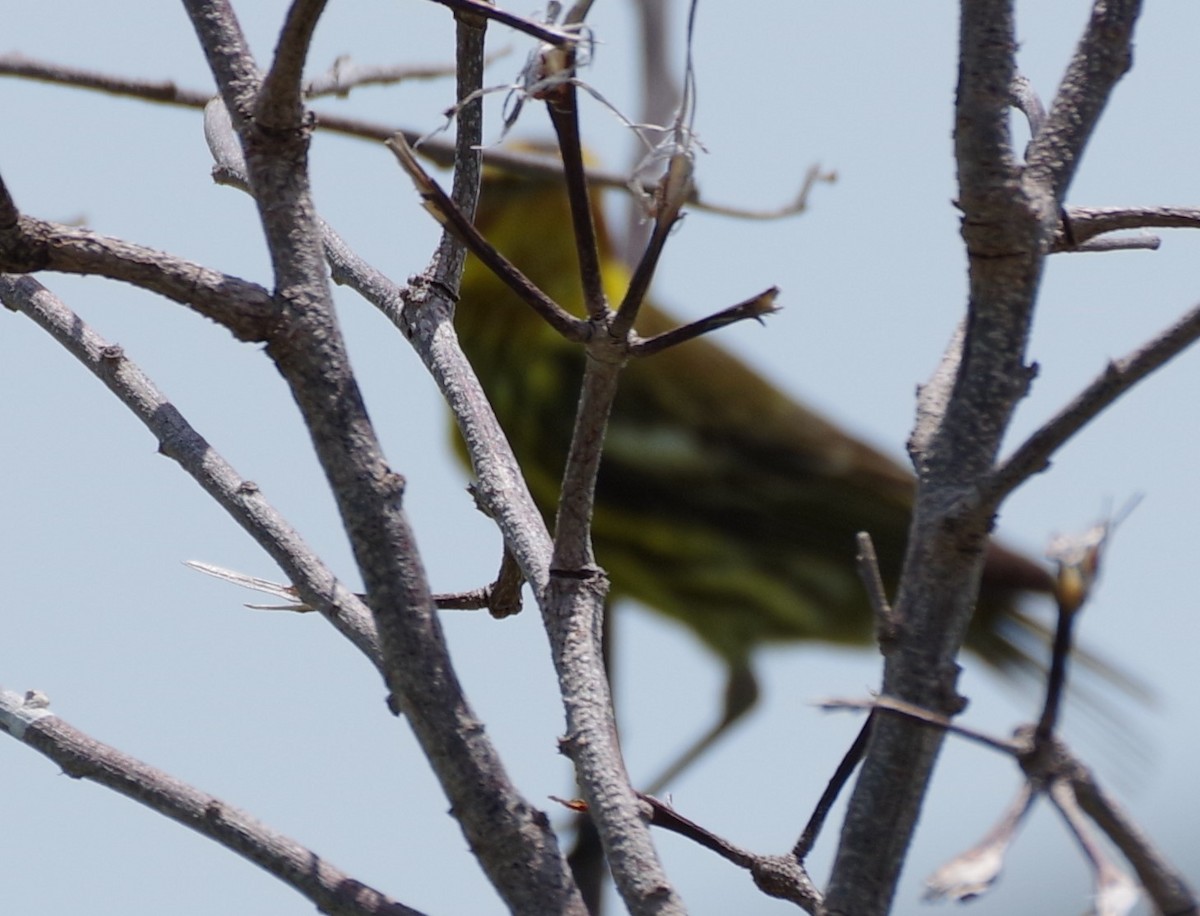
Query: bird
{"points": [[721, 501]]}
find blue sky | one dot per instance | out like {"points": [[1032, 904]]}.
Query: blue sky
{"points": [[279, 716]]}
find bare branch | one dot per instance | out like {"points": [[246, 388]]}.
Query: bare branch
{"points": [[1165, 885], [886, 624], [344, 75], [666, 205], [754, 308], [798, 204], [665, 816], [280, 103], [435, 150], [1010, 215], [422, 314], [926, 717], [575, 599], [1046, 762], [179, 441], [444, 210], [447, 267], [972, 873], [1033, 455], [783, 877], [845, 769], [1089, 222], [562, 104], [1026, 100], [1117, 243], [487, 598], [1116, 892], [1103, 56], [164, 91], [539, 30], [228, 55], [31, 245], [512, 840], [82, 757]]}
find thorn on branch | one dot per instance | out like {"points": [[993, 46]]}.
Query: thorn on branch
{"points": [[501, 599], [887, 624]]}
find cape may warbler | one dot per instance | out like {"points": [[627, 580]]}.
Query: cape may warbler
{"points": [[721, 502]]}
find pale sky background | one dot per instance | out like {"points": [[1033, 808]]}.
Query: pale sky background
{"points": [[278, 715]]}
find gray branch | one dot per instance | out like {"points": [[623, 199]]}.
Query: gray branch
{"points": [[179, 441], [513, 841], [1010, 217], [82, 757]]}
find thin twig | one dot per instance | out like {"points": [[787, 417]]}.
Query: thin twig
{"points": [[783, 877], [797, 205], [447, 265], [1116, 892], [926, 717], [502, 598], [1078, 560], [164, 91], [886, 625], [1056, 679], [344, 75], [280, 102], [971, 873], [562, 104], [666, 817], [1103, 56], [753, 308], [639, 283], [671, 194], [845, 769], [1034, 454], [1144, 242], [438, 151], [32, 245], [1166, 886], [438, 203], [539, 30], [1089, 222]]}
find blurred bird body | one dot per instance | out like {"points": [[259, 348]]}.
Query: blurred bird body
{"points": [[720, 502]]}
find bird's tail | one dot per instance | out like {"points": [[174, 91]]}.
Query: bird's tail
{"points": [[1017, 644]]}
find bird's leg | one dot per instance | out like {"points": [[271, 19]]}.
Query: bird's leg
{"points": [[587, 856], [741, 693], [588, 864]]}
